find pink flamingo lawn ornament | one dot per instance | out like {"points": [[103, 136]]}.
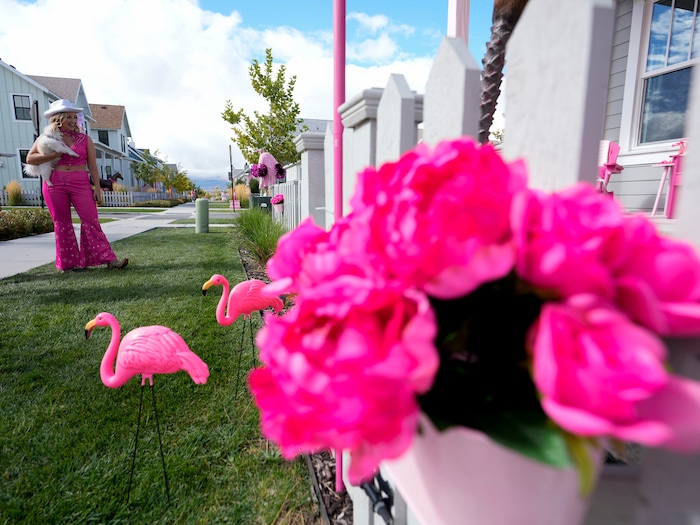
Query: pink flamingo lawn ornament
{"points": [[146, 350], [243, 299]]}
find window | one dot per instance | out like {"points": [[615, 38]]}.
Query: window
{"points": [[103, 137], [22, 104], [673, 50]]}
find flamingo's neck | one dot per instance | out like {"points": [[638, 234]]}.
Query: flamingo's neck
{"points": [[223, 310], [107, 374]]}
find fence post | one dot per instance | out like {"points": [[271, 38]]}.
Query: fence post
{"points": [[452, 93], [359, 116], [398, 114], [313, 182], [558, 68]]}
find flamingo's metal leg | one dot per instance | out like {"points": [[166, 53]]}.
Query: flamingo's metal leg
{"points": [[238, 364], [136, 442], [252, 342], [160, 444]]}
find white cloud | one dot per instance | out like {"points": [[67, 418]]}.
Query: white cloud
{"points": [[369, 23], [174, 66]]}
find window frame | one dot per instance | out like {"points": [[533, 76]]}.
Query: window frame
{"points": [[14, 107], [635, 83]]}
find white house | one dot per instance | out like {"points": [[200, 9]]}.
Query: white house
{"points": [[111, 134]]}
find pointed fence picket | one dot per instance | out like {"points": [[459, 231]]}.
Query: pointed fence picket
{"points": [[29, 198], [558, 74]]}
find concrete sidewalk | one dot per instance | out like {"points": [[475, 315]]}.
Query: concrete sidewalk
{"points": [[20, 255]]}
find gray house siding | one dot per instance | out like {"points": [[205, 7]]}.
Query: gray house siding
{"points": [[637, 185], [18, 135], [618, 68]]}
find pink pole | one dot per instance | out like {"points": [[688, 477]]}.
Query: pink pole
{"points": [[338, 100], [458, 19]]}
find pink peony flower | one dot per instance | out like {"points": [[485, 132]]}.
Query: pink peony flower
{"points": [[440, 217], [565, 240], [285, 266], [449, 238], [308, 255], [601, 375], [658, 283], [342, 370]]}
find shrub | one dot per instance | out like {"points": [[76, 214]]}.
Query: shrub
{"points": [[14, 193], [258, 233], [15, 224], [254, 185], [159, 203]]}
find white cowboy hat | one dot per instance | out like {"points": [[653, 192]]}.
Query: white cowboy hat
{"points": [[61, 105]]}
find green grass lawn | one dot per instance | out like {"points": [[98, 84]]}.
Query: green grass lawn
{"points": [[219, 205], [212, 220], [67, 440], [108, 209], [76, 220]]}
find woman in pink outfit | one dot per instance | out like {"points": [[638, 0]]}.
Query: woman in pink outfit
{"points": [[71, 186], [268, 160]]}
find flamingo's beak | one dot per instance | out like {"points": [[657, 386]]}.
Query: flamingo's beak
{"points": [[88, 328], [206, 286]]}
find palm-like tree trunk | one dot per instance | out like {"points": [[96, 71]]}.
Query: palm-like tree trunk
{"points": [[506, 14]]}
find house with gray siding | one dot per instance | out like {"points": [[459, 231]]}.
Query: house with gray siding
{"points": [[656, 45], [21, 100]]}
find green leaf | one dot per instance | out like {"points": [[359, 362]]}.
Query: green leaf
{"points": [[529, 433]]}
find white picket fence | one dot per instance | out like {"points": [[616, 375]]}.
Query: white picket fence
{"points": [[110, 198], [292, 201], [29, 198], [558, 70]]}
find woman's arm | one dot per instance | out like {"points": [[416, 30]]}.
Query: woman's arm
{"points": [[92, 168], [34, 157]]}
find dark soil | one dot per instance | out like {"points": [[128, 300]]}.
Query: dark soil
{"points": [[335, 508]]}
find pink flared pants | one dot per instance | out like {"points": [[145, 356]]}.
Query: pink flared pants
{"points": [[73, 188]]}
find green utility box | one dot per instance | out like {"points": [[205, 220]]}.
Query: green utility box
{"points": [[261, 202], [201, 221]]}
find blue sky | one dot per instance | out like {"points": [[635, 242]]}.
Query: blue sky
{"points": [[173, 64], [428, 18]]}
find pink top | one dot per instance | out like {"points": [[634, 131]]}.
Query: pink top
{"points": [[80, 144], [268, 160]]}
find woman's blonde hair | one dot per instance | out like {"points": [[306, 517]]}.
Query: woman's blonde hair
{"points": [[56, 121]]}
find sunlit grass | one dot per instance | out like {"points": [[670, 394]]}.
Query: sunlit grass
{"points": [[67, 440]]}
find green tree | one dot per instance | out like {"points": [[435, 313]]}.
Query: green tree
{"points": [[150, 171], [275, 130], [181, 181]]}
